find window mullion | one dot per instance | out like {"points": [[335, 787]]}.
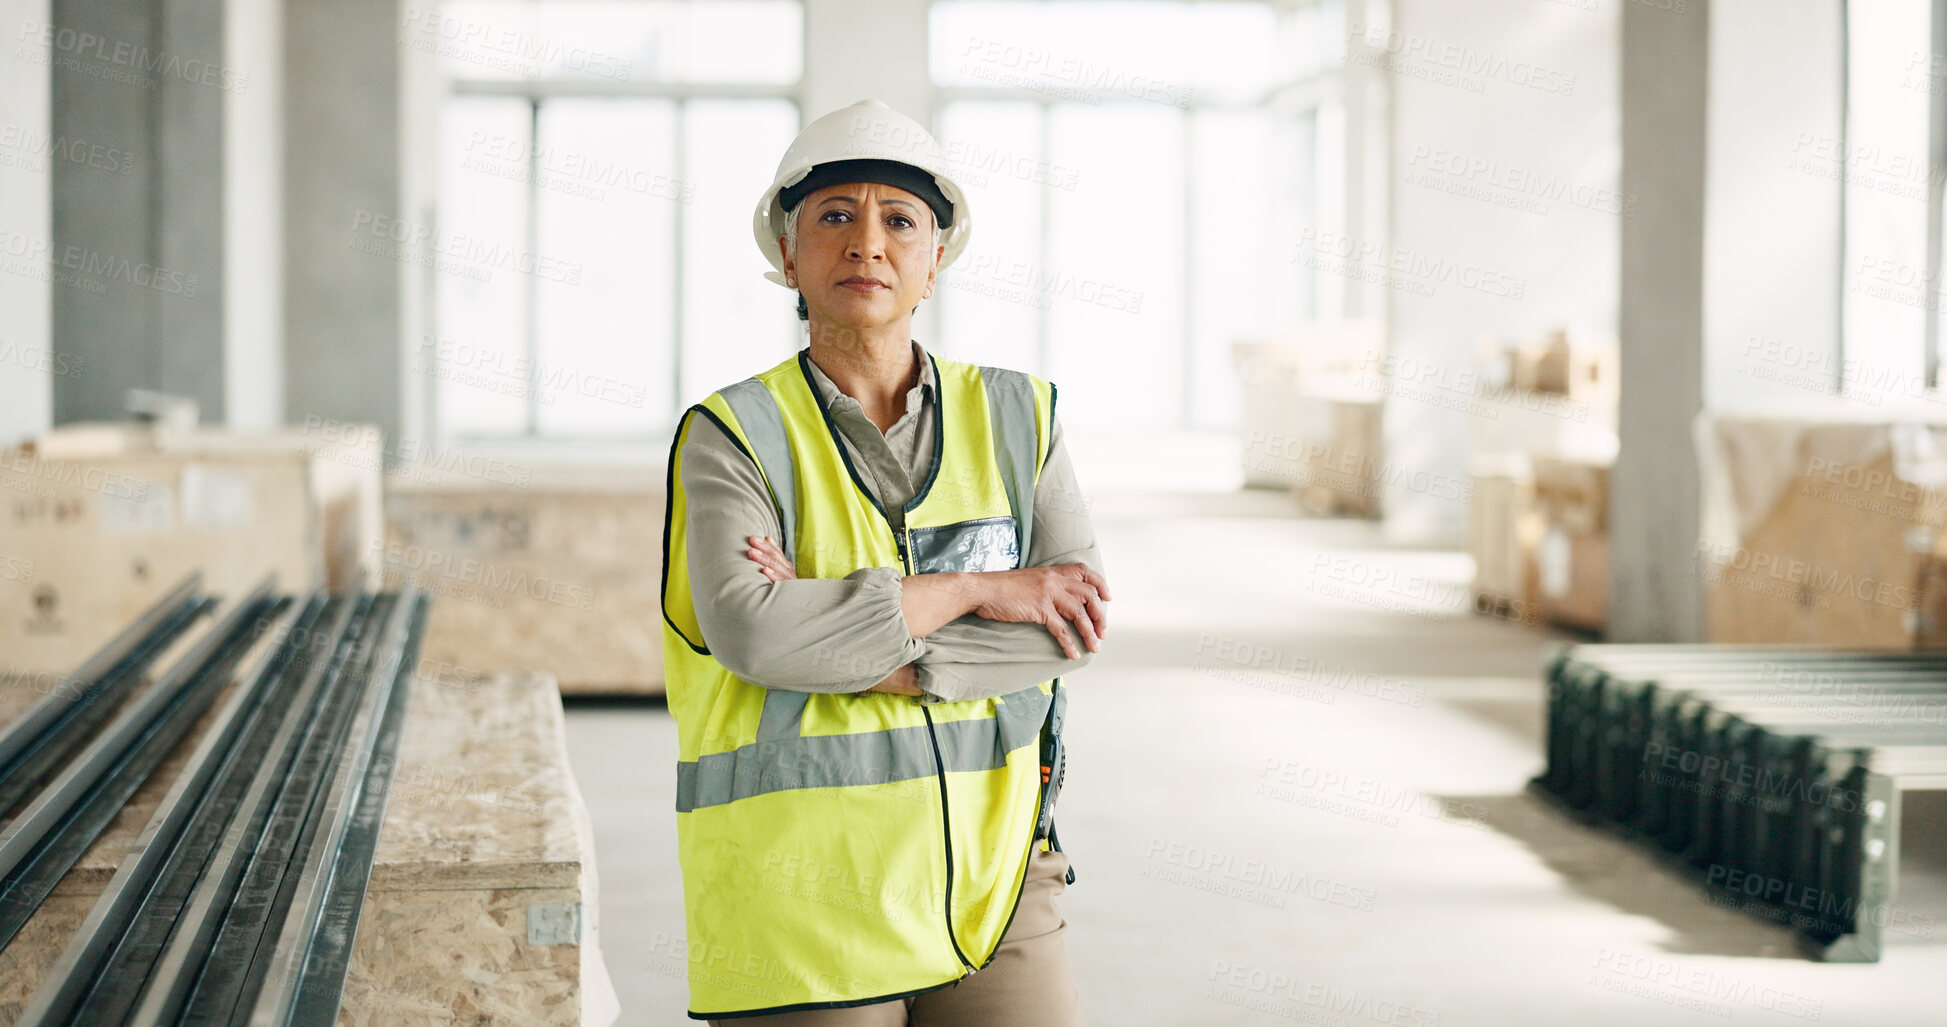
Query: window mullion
{"points": [[532, 329]]}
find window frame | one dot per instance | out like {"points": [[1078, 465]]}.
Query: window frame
{"points": [[538, 92]]}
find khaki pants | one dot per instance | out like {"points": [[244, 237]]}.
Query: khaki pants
{"points": [[1029, 980]]}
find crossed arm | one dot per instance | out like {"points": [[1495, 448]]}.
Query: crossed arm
{"points": [[947, 637]]}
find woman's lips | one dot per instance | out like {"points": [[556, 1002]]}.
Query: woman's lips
{"points": [[862, 286]]}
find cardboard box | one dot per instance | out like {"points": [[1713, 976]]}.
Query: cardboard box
{"points": [[1273, 374], [1337, 468], [1572, 570], [98, 521], [1812, 536], [1552, 365], [1573, 492], [554, 570]]}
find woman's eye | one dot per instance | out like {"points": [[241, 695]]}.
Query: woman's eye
{"points": [[903, 220], [830, 213]]}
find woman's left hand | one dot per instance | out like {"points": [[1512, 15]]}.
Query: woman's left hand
{"points": [[770, 558]]}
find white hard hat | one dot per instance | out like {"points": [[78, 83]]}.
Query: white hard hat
{"points": [[868, 129]]}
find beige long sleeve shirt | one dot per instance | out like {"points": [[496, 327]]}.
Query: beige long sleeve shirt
{"points": [[846, 634]]}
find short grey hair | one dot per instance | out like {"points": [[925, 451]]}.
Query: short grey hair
{"points": [[791, 247]]}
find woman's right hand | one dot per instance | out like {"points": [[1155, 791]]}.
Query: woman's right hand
{"points": [[1050, 596]]}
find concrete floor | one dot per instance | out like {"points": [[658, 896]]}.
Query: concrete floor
{"points": [[1340, 837]]}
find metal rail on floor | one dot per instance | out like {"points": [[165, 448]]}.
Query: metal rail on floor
{"points": [[239, 902], [1776, 772]]}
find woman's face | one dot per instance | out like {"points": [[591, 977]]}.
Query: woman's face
{"points": [[862, 230]]}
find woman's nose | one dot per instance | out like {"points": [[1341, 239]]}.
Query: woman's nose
{"points": [[867, 240]]}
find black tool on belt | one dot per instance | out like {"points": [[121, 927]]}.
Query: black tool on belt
{"points": [[1052, 766]]}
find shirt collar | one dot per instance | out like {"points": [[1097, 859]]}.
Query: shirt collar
{"points": [[828, 391]]}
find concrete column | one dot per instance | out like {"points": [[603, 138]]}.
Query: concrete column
{"points": [[29, 364], [138, 254], [359, 224], [1656, 594]]}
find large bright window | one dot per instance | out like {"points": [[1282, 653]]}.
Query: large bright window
{"points": [[1138, 172], [600, 158], [1890, 280]]}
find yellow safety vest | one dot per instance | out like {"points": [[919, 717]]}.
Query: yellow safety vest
{"points": [[842, 849]]}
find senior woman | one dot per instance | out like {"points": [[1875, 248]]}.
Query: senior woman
{"points": [[877, 569]]}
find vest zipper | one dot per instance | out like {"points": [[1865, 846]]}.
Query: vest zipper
{"points": [[946, 827], [905, 540]]}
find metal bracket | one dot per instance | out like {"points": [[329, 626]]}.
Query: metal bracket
{"points": [[554, 923]]}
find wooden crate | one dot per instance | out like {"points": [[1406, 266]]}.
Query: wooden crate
{"points": [[549, 570], [484, 826], [98, 521]]}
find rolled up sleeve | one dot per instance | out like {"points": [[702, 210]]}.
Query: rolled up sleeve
{"points": [[976, 658], [802, 634]]}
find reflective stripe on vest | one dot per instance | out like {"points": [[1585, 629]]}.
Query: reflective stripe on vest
{"points": [[782, 759]]}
